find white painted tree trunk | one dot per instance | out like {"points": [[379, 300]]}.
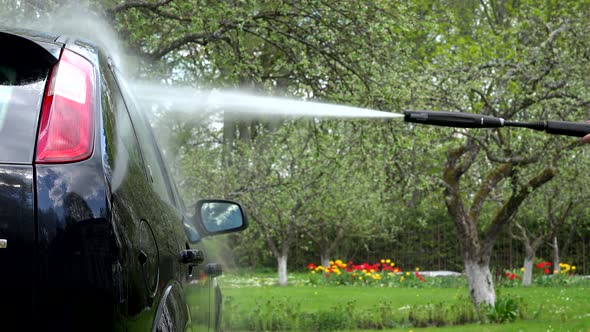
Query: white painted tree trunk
{"points": [[527, 276], [325, 258], [555, 256], [282, 260], [481, 286]]}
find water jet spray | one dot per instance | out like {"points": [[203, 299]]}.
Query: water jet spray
{"points": [[469, 120]]}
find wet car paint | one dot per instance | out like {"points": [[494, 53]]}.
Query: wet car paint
{"points": [[17, 230]]}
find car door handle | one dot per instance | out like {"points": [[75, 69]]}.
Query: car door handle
{"points": [[191, 257], [213, 270]]}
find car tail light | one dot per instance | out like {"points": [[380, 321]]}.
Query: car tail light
{"points": [[66, 129]]}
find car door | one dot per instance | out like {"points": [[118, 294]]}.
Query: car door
{"points": [[132, 212], [169, 228], [193, 276]]}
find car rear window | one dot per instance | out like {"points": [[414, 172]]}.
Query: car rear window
{"points": [[23, 75]]}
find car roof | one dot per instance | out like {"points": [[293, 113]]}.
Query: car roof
{"points": [[79, 44], [31, 34]]}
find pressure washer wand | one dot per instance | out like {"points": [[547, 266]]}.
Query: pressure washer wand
{"points": [[469, 120]]}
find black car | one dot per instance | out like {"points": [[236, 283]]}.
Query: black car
{"points": [[93, 233]]}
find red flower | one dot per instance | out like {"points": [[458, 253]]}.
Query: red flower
{"points": [[419, 276], [311, 266], [512, 276], [387, 267], [546, 271], [543, 265]]}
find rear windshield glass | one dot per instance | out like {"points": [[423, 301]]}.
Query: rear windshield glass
{"points": [[22, 83]]}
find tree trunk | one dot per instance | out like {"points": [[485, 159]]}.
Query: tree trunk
{"points": [[325, 259], [328, 246], [527, 277], [282, 261], [481, 286], [555, 255]]}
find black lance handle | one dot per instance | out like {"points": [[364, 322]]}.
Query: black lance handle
{"points": [[577, 129], [469, 120], [453, 119]]}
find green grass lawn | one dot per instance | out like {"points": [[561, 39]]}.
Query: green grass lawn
{"points": [[255, 298]]}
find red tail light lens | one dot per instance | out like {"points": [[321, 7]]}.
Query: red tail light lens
{"points": [[66, 130]]}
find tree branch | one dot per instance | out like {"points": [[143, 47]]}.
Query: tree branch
{"points": [[511, 206], [491, 181], [523, 237], [151, 5]]}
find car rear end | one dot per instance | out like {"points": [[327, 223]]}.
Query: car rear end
{"points": [[53, 223], [24, 69]]}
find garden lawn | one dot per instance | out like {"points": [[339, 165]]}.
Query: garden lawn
{"points": [[319, 298], [545, 308]]}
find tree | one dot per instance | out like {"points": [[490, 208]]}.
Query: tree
{"points": [[512, 67], [279, 187], [556, 217]]}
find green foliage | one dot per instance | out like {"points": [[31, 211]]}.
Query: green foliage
{"points": [[331, 320], [561, 280], [276, 314], [506, 309]]}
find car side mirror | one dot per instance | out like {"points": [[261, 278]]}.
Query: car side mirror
{"points": [[217, 216]]}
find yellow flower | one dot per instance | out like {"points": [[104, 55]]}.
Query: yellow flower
{"points": [[364, 271], [417, 269], [408, 274], [338, 262], [554, 271], [392, 264], [382, 261], [331, 262], [388, 261], [522, 269], [401, 279], [372, 270], [312, 272], [573, 267], [360, 278], [377, 277]]}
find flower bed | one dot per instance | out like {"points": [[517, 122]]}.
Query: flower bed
{"points": [[543, 275], [382, 273]]}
